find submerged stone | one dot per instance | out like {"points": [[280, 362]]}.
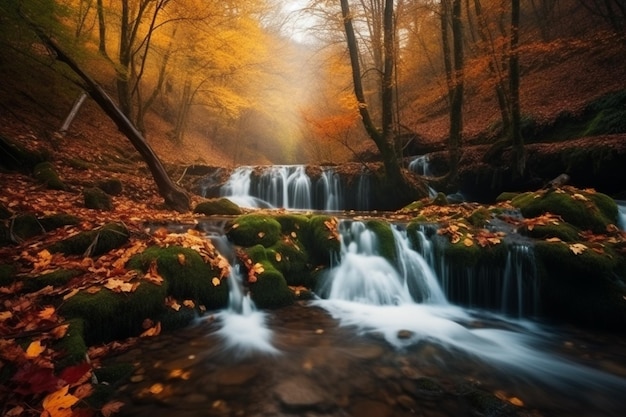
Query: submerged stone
{"points": [[300, 393]]}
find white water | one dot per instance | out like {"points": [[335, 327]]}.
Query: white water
{"points": [[421, 166], [365, 292]]}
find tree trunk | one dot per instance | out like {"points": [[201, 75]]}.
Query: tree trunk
{"points": [[174, 196], [102, 47], [456, 104], [519, 157]]}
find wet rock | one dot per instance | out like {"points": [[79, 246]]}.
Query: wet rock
{"points": [[404, 334], [368, 352], [236, 376], [301, 393], [424, 388], [368, 408]]}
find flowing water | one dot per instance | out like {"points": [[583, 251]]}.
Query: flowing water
{"points": [[621, 205], [383, 340]]}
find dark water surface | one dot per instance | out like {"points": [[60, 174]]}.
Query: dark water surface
{"points": [[314, 366]]}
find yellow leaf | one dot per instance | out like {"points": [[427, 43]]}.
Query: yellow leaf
{"points": [[455, 238], [59, 332], [258, 268], [46, 313], [58, 403], [468, 242], [189, 304], [156, 388], [216, 281], [577, 248], [579, 197], [117, 285], [553, 240], [294, 235], [5, 315], [261, 235], [236, 225], [70, 294], [278, 257], [34, 349], [181, 258]]}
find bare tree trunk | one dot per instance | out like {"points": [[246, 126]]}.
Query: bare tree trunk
{"points": [[456, 104], [102, 47], [519, 157], [174, 196]]}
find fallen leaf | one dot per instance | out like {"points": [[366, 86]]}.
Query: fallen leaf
{"points": [[261, 235], [216, 281], [579, 197], [553, 240], [70, 294], [181, 258], [59, 403], [46, 313], [189, 304], [34, 349], [117, 285], [577, 248], [59, 332], [111, 408], [153, 331], [468, 242], [278, 257]]}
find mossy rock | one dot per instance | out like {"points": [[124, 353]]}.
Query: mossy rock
{"points": [[321, 240], [385, 239], [171, 319], [290, 257], [270, 289], [25, 226], [110, 315], [440, 200], [414, 206], [581, 288], [93, 242], [484, 403], [55, 221], [587, 211], [564, 231], [216, 206], [480, 217], [46, 174], [111, 186], [78, 163], [72, 346], [254, 229], [190, 279], [54, 279], [15, 157], [96, 199], [293, 225], [506, 196], [5, 213]]}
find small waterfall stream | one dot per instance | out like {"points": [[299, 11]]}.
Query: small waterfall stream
{"points": [[621, 205]]}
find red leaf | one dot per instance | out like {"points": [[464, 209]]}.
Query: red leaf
{"points": [[73, 374], [35, 380]]}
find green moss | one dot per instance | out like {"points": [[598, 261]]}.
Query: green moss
{"points": [[581, 288], [414, 206], [386, 241], [111, 316], [111, 186], [78, 163], [171, 319], [94, 242], [440, 200], [564, 231], [479, 217], [290, 258], [217, 206], [322, 241], [459, 254], [257, 253], [72, 346], [96, 199], [506, 196], [54, 279], [46, 174], [187, 280], [486, 404], [25, 226], [294, 225], [254, 229], [55, 221], [576, 207], [270, 290]]}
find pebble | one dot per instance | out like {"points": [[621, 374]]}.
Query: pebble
{"points": [[301, 393]]}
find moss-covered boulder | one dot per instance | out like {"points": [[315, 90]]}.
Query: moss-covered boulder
{"points": [[290, 257], [96, 199], [254, 229], [479, 217], [25, 226], [270, 289], [55, 221], [111, 186], [94, 242], [322, 239], [586, 210], [582, 285], [46, 174], [54, 279], [110, 315], [564, 231], [217, 206], [385, 239], [72, 348], [186, 275]]}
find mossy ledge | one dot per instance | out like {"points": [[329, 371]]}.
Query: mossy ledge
{"points": [[93, 242]]}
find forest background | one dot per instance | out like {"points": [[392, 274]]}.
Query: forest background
{"points": [[229, 82]]}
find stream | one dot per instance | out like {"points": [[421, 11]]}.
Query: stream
{"points": [[382, 340]]}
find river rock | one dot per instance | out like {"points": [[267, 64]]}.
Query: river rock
{"points": [[301, 393], [369, 408]]}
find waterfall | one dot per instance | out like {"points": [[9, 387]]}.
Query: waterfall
{"points": [[237, 188], [299, 188], [363, 192], [621, 205], [420, 165], [364, 276], [273, 186], [329, 190], [521, 287]]}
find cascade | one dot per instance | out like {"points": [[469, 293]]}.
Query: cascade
{"points": [[420, 165], [299, 189], [521, 287], [329, 191]]}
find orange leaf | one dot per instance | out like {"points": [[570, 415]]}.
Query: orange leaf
{"points": [[153, 331], [46, 313], [216, 281], [59, 403], [34, 349], [181, 258], [278, 257], [468, 242]]}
